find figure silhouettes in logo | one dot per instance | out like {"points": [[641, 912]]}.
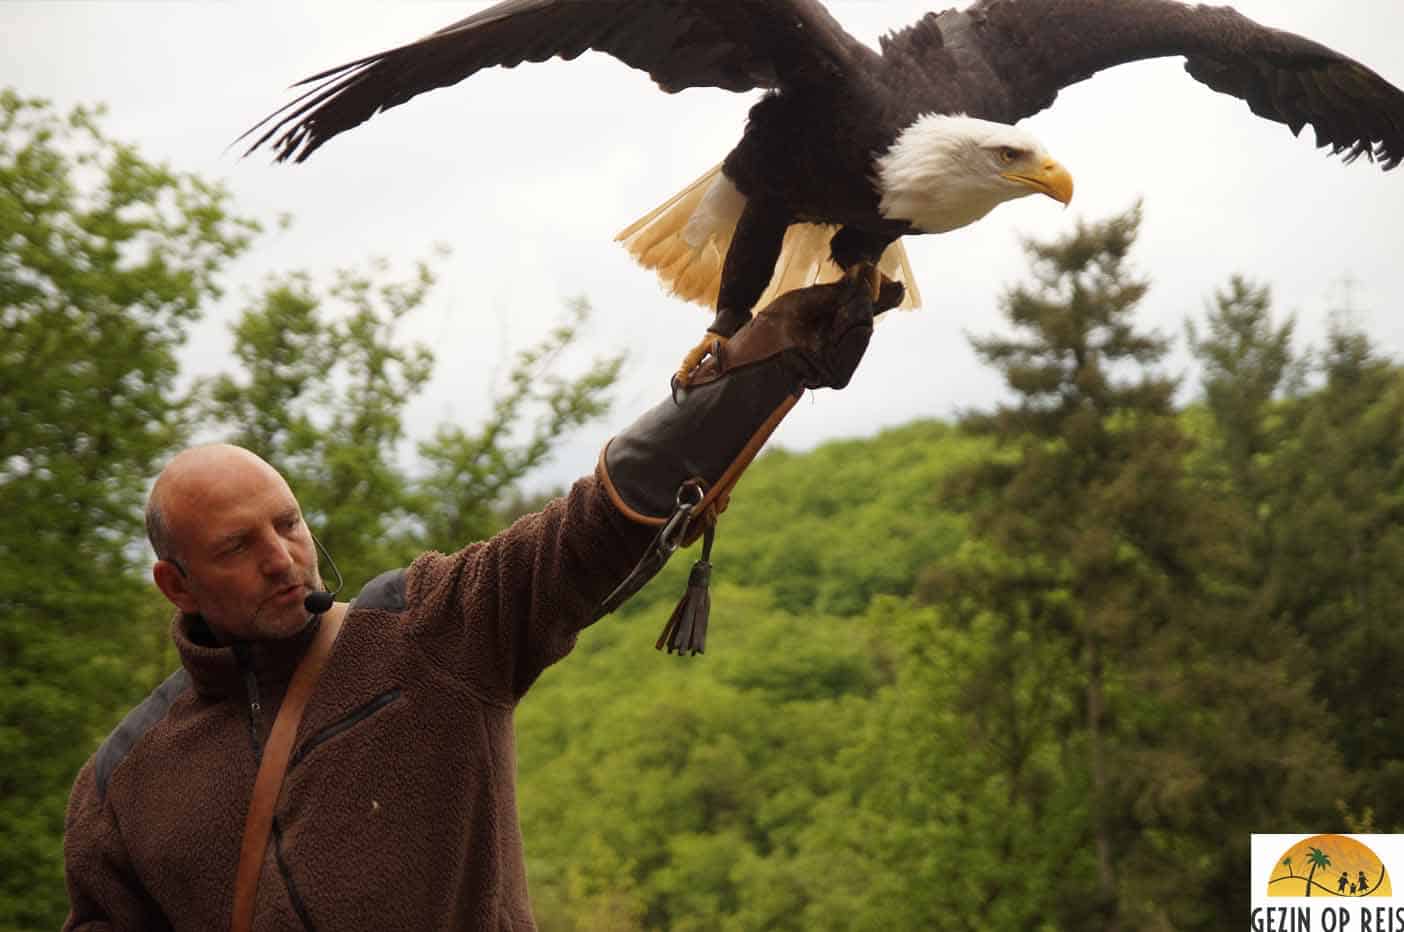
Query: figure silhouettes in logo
{"points": [[1363, 884], [1341, 884]]}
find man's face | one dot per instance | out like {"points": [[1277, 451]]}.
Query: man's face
{"points": [[244, 558]]}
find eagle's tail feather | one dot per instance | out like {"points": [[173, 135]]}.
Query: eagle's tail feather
{"points": [[656, 240], [686, 242]]}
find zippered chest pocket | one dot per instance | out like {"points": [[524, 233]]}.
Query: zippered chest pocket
{"points": [[350, 720]]}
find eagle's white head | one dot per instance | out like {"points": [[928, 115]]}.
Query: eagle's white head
{"points": [[944, 172]]}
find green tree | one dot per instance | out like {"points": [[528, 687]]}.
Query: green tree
{"points": [[1092, 491], [1247, 361], [1337, 541], [961, 751], [108, 259], [320, 393], [692, 803], [321, 390], [473, 475], [1116, 583]]}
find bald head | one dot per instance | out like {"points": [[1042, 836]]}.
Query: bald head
{"points": [[194, 478], [231, 544]]}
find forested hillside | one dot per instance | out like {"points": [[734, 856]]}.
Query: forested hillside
{"points": [[1044, 668], [1048, 668]]}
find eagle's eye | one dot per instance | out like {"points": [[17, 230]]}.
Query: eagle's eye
{"points": [[1008, 154]]}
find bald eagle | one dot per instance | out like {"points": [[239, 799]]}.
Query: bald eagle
{"points": [[852, 148]]}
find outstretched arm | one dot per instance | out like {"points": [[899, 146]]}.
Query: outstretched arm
{"points": [[500, 611]]}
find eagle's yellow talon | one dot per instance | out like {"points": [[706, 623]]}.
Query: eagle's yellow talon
{"points": [[709, 345]]}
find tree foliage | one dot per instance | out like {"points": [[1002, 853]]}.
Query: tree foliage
{"points": [[107, 260], [1043, 669], [1248, 363], [1107, 576], [1336, 531], [321, 392], [472, 473]]}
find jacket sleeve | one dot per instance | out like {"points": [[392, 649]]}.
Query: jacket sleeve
{"points": [[103, 890], [499, 612]]}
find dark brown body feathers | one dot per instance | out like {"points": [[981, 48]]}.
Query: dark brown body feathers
{"points": [[834, 104]]}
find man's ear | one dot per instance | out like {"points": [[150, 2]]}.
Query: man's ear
{"points": [[174, 586]]}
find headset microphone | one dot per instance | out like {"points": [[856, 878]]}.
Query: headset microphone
{"points": [[318, 602]]}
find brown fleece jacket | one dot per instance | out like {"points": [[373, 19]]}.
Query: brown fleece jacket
{"points": [[399, 807]]}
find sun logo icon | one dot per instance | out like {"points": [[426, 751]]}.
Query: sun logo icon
{"points": [[1329, 865]]}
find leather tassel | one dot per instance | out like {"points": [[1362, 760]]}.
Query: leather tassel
{"points": [[686, 630]]}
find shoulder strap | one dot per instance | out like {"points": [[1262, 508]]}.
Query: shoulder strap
{"points": [[269, 781]]}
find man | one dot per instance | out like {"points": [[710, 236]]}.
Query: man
{"points": [[397, 809]]}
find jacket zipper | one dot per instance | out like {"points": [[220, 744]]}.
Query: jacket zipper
{"points": [[335, 728], [341, 724], [298, 905], [255, 707]]}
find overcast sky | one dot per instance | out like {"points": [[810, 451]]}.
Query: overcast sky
{"points": [[529, 173]]}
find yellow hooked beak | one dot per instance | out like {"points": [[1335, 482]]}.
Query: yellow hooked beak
{"points": [[1051, 179]]}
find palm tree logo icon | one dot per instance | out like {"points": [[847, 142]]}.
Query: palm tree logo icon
{"points": [[1321, 855], [1316, 858]]}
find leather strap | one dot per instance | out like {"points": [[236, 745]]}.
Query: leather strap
{"points": [[269, 782]]}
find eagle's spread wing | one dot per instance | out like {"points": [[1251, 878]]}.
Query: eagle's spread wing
{"points": [[1004, 60], [736, 46]]}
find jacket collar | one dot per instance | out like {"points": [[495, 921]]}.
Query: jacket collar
{"points": [[217, 670]]}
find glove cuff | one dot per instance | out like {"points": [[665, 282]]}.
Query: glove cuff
{"points": [[706, 437], [674, 469]]}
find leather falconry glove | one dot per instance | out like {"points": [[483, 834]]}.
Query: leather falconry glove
{"points": [[674, 468]]}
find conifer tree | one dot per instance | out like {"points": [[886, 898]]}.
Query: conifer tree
{"points": [[1091, 491], [1336, 548], [1114, 560], [1248, 362]]}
